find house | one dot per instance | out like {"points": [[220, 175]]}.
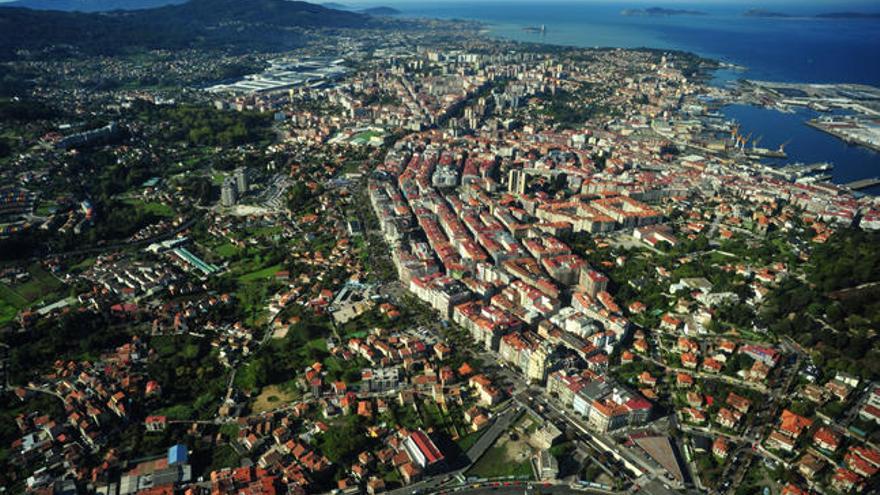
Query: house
{"points": [[646, 378], [375, 485], [721, 447], [670, 323], [738, 402], [838, 389], [694, 415], [410, 473], [684, 380], [489, 395], [845, 480], [809, 466], [727, 418], [862, 461], [826, 439], [793, 424], [780, 441], [155, 423], [791, 489], [689, 360], [711, 365]]}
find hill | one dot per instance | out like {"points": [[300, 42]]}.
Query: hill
{"points": [[850, 15], [382, 11], [91, 5], [826, 15], [234, 25], [659, 11], [764, 13]]}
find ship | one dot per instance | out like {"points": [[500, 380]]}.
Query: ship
{"points": [[767, 153], [533, 29]]}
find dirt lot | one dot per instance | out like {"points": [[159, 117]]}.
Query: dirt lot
{"points": [[272, 397]]}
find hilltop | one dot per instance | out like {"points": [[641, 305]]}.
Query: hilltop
{"points": [[382, 11], [91, 5], [235, 25]]}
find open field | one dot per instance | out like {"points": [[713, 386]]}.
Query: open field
{"points": [[272, 396], [509, 456], [158, 209], [264, 273], [42, 288]]}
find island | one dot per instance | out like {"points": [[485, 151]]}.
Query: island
{"points": [[763, 13], [659, 11], [826, 15]]}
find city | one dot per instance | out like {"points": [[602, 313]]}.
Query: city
{"points": [[407, 257]]}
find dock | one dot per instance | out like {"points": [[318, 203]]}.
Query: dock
{"points": [[862, 183], [801, 169]]}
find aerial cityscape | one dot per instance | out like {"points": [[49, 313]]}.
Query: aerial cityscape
{"points": [[490, 247]]}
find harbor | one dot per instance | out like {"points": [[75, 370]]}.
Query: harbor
{"points": [[803, 143]]}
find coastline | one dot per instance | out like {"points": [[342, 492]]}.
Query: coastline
{"points": [[709, 75], [846, 139]]}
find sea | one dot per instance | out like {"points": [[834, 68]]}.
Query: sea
{"points": [[797, 48]]}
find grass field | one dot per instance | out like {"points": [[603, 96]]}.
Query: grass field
{"points": [[7, 312], [226, 250], [42, 288], [267, 272], [158, 209]]}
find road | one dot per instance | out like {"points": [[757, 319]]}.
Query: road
{"points": [[525, 489]]}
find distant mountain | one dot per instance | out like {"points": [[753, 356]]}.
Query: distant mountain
{"points": [[659, 11], [827, 15], [850, 15], [235, 25], [91, 5], [763, 13], [386, 11], [334, 5]]}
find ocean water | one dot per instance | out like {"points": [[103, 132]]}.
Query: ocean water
{"points": [[794, 49]]}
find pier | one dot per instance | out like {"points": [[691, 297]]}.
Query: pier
{"points": [[862, 183], [801, 169]]}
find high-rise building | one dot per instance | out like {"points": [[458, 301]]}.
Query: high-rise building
{"points": [[516, 182], [593, 282], [241, 180], [228, 193]]}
